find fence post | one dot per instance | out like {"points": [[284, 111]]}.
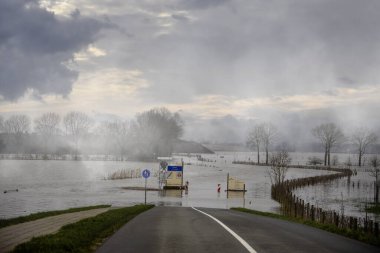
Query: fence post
{"points": [[370, 227], [351, 221], [334, 219]]}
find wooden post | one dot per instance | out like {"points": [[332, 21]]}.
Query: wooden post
{"points": [[351, 222], [334, 219], [183, 170], [228, 179], [370, 226], [337, 221]]}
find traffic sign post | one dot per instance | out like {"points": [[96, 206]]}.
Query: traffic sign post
{"points": [[145, 174]]}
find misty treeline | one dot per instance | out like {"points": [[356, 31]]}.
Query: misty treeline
{"points": [[150, 134], [330, 137]]}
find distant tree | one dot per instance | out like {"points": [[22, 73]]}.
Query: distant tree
{"points": [[255, 138], [315, 160], [375, 172], [47, 126], [269, 133], [119, 132], [17, 124], [335, 160], [329, 135], [103, 135], [348, 162], [2, 142], [1, 124], [279, 166], [155, 131], [15, 127], [362, 138], [76, 126]]}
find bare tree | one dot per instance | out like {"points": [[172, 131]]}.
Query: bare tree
{"points": [[255, 138], [47, 126], [279, 166], [120, 134], [17, 124], [1, 124], [269, 133], [2, 140], [362, 138], [16, 127], [375, 172], [76, 125], [330, 135]]}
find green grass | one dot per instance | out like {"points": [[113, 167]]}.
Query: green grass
{"points": [[374, 209], [358, 235], [36, 216], [85, 235]]}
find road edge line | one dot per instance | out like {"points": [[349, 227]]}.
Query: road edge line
{"points": [[237, 237]]}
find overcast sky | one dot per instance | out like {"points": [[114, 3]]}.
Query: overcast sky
{"points": [[222, 64]]}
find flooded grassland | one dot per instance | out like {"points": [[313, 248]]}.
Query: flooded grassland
{"points": [[50, 185]]}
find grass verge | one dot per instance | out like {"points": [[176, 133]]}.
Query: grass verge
{"points": [[358, 235], [36, 216], [85, 235]]}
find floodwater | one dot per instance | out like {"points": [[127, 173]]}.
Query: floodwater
{"points": [[348, 196], [53, 185]]}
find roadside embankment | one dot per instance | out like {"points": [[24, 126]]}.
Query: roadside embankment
{"points": [[36, 216], [11, 236], [84, 234]]}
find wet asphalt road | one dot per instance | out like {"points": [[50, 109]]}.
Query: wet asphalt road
{"points": [[183, 229]]}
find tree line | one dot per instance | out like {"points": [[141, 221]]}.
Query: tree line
{"points": [[150, 134], [263, 135]]}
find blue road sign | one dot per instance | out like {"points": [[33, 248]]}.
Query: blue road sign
{"points": [[146, 173], [175, 168]]}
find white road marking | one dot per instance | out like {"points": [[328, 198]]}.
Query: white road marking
{"points": [[241, 240]]}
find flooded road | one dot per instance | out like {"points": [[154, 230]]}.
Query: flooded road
{"points": [[52, 185]]}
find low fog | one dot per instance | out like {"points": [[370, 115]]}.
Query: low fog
{"points": [[158, 132]]}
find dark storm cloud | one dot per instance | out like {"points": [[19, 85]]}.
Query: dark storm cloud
{"points": [[35, 45]]}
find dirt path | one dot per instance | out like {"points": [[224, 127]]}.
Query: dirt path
{"points": [[11, 236]]}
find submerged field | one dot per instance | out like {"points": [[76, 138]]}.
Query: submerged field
{"points": [[52, 185]]}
